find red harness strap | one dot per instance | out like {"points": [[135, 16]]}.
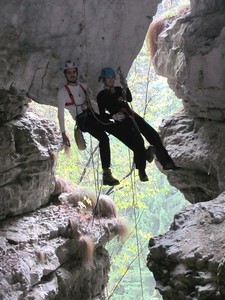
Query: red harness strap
{"points": [[72, 102]]}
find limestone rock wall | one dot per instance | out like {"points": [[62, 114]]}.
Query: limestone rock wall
{"points": [[191, 54], [12, 105], [36, 39], [26, 171], [198, 146], [188, 261], [40, 257]]}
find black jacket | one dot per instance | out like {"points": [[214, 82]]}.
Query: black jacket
{"points": [[112, 101]]}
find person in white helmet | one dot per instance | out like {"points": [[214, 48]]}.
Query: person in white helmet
{"points": [[73, 96]]}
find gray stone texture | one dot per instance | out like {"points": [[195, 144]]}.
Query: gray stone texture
{"points": [[39, 256], [197, 146], [191, 54], [39, 259], [36, 39], [12, 104], [188, 261], [26, 169]]}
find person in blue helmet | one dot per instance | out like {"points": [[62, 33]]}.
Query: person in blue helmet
{"points": [[123, 129], [114, 100], [73, 96]]}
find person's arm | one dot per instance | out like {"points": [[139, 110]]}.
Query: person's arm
{"points": [[61, 118], [128, 95], [102, 110], [124, 96], [93, 101]]}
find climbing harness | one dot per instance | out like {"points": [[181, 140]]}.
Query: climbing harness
{"points": [[78, 135]]}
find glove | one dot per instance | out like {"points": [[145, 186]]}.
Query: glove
{"points": [[120, 116]]}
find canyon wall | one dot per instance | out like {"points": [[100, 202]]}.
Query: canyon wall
{"points": [[188, 260], [39, 256]]}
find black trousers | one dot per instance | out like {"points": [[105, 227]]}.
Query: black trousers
{"points": [[128, 133], [153, 138], [88, 123], [125, 131]]}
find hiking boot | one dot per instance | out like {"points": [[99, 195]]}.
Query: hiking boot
{"points": [[150, 151], [108, 179], [142, 175], [170, 166]]}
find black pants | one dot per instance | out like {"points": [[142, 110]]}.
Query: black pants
{"points": [[128, 133], [88, 123], [153, 138]]}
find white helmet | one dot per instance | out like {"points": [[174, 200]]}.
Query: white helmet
{"points": [[69, 64]]}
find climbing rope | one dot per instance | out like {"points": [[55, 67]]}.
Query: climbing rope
{"points": [[134, 203], [95, 170], [140, 248]]}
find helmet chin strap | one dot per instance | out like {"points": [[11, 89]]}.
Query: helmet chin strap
{"points": [[68, 81]]}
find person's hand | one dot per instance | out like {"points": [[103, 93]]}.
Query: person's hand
{"points": [[120, 99], [119, 116], [66, 140]]}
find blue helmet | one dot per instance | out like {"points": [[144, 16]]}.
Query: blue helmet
{"points": [[107, 72]]}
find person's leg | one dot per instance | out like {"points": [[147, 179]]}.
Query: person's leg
{"points": [[95, 129], [128, 134], [153, 138]]}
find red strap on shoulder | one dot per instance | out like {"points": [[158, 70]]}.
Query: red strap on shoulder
{"points": [[83, 89], [72, 102]]}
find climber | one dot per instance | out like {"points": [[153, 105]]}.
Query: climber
{"points": [[125, 131], [114, 100], [73, 96]]}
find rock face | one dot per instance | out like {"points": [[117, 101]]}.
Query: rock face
{"points": [[27, 177], [191, 55], [197, 145], [188, 261], [11, 105], [40, 256], [39, 259], [37, 38]]}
